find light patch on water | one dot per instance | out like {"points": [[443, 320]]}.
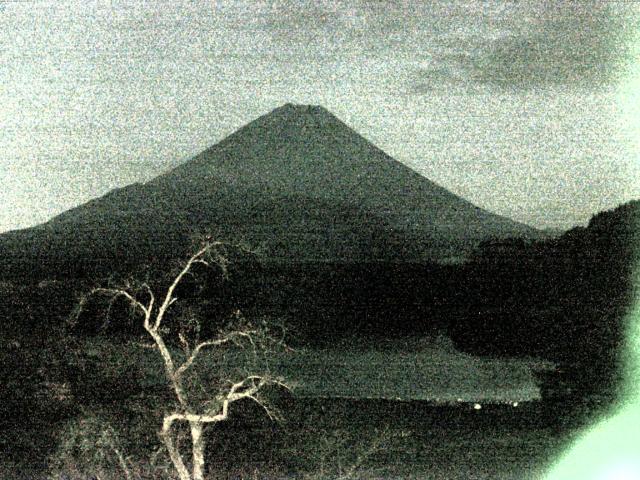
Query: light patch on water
{"points": [[433, 373]]}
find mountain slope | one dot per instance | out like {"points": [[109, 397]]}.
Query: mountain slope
{"points": [[296, 181], [305, 150]]}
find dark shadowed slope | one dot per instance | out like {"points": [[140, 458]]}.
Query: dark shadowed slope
{"points": [[300, 150], [296, 181]]}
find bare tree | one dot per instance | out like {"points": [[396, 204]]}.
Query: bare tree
{"points": [[191, 408]]}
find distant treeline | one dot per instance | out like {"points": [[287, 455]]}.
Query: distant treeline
{"points": [[562, 299]]}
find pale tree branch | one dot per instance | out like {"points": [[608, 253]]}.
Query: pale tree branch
{"points": [[211, 343], [273, 415], [249, 387], [185, 344], [246, 388], [169, 298], [174, 451], [152, 299], [202, 261], [119, 292]]}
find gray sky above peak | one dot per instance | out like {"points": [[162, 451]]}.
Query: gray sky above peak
{"points": [[528, 109]]}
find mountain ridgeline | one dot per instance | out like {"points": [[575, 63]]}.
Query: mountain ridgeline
{"points": [[353, 243], [297, 183]]}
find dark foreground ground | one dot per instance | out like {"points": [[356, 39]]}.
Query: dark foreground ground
{"points": [[380, 439], [363, 439]]}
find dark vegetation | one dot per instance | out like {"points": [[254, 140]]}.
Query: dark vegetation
{"points": [[562, 299], [350, 239]]}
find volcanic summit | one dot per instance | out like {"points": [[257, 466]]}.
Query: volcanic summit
{"points": [[297, 181]]}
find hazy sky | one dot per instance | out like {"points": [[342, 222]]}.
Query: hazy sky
{"points": [[529, 109]]}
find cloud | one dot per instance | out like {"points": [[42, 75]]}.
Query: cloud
{"points": [[466, 43], [587, 43]]}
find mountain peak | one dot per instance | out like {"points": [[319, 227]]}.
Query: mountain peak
{"points": [[296, 180], [300, 108]]}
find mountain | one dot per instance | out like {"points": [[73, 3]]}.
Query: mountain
{"points": [[297, 182]]}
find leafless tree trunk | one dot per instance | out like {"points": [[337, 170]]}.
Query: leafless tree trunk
{"points": [[143, 300]]}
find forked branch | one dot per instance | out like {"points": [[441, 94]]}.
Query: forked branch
{"points": [[196, 416]]}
